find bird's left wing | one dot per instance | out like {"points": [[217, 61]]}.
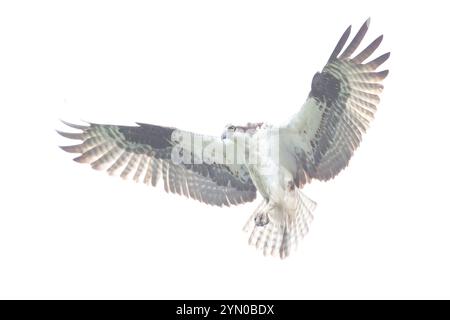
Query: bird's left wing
{"points": [[184, 161], [327, 130]]}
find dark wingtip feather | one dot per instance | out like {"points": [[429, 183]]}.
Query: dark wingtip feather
{"points": [[368, 51], [81, 159], [383, 74], [72, 149], [378, 61], [377, 76], [75, 126], [356, 40], [340, 44], [69, 135]]}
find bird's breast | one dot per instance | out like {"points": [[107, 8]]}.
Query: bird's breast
{"points": [[266, 165]]}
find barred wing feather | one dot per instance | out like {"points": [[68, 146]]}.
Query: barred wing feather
{"points": [[144, 152], [339, 109]]}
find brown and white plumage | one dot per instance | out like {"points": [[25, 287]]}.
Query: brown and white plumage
{"points": [[319, 140], [342, 102], [316, 143], [144, 153]]}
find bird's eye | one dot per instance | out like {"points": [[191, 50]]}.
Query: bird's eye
{"points": [[232, 128]]}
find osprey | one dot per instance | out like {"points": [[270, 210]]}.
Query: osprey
{"points": [[275, 161]]}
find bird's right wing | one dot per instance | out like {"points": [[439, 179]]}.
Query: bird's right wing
{"points": [[150, 153]]}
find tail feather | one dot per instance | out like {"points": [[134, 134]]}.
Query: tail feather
{"points": [[285, 226]]}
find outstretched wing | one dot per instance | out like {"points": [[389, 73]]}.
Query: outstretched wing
{"points": [[146, 152], [339, 108]]}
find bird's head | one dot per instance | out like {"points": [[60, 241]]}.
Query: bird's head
{"points": [[232, 131]]}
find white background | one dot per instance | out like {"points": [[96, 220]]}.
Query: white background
{"points": [[381, 229]]}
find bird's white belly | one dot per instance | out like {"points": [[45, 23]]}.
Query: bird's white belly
{"points": [[267, 166]]}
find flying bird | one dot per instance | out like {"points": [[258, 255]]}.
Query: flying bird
{"points": [[276, 161]]}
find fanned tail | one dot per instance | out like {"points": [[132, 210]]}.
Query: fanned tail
{"points": [[276, 228]]}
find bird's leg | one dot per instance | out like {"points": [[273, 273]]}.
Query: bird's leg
{"points": [[261, 219]]}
